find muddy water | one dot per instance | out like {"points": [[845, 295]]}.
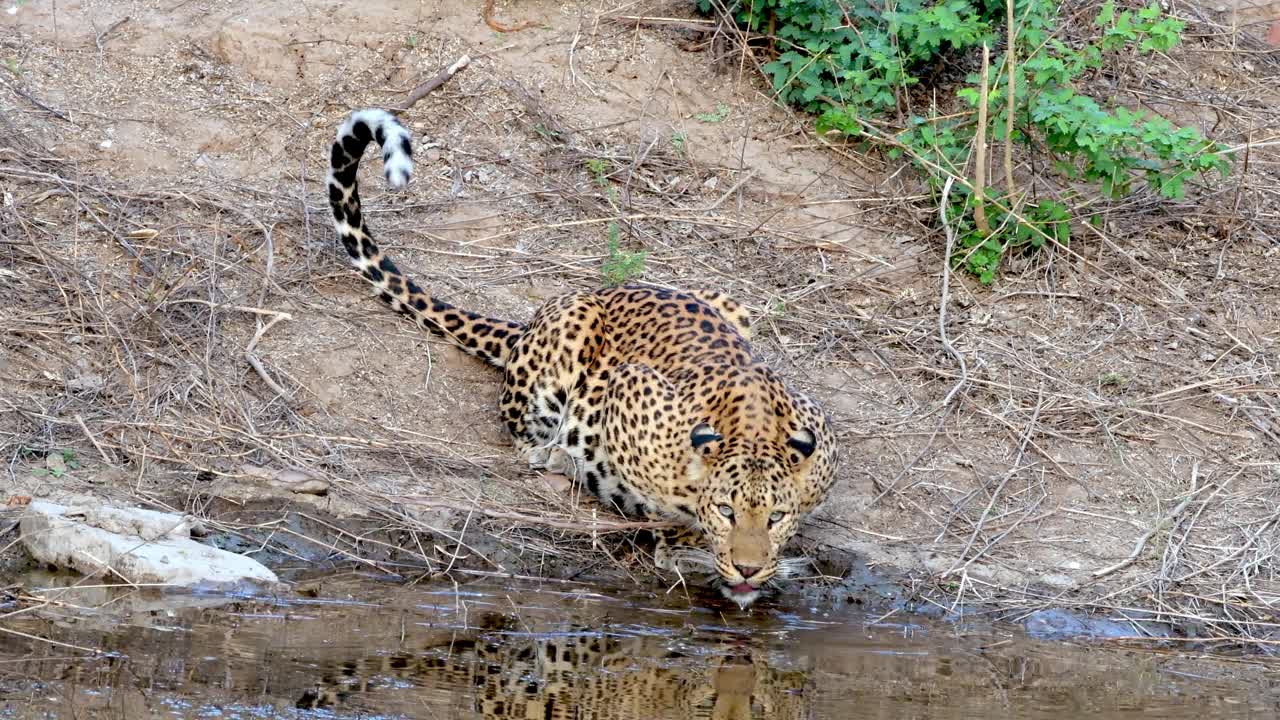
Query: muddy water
{"points": [[361, 649]]}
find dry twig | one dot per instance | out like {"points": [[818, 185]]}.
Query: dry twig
{"points": [[1159, 525], [430, 86], [980, 148]]}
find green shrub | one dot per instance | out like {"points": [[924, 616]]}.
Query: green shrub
{"points": [[621, 266], [851, 63]]}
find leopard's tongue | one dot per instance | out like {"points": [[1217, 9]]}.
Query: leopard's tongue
{"points": [[743, 588]]}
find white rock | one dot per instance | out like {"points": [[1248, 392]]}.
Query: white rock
{"points": [[140, 546], [145, 524]]}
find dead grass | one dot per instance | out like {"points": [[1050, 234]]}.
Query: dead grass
{"points": [[1109, 444]]}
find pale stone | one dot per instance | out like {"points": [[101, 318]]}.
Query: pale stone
{"points": [[139, 546]]}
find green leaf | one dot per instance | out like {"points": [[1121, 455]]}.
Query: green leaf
{"points": [[721, 112], [1107, 14]]}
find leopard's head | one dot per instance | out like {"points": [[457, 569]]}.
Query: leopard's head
{"points": [[745, 683], [755, 491]]}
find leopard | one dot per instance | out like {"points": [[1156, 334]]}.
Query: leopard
{"points": [[576, 671], [652, 398]]}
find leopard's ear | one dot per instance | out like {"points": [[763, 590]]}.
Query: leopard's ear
{"points": [[704, 437], [803, 442]]}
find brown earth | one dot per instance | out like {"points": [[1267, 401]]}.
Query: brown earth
{"points": [[161, 201]]}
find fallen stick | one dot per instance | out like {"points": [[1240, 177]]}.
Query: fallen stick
{"points": [[114, 26], [256, 364], [241, 308], [106, 457], [430, 86], [572, 525], [1160, 524], [1258, 422], [31, 99]]}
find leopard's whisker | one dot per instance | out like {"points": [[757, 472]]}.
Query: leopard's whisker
{"points": [[696, 558], [793, 567]]}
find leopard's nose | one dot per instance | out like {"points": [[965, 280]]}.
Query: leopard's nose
{"points": [[747, 570]]}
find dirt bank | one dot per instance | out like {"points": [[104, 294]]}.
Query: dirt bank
{"points": [[178, 322]]}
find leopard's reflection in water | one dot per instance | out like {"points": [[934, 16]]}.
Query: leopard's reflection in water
{"points": [[501, 670], [355, 648]]}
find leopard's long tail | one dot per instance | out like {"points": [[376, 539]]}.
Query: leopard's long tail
{"points": [[487, 338]]}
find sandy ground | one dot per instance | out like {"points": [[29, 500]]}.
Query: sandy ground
{"points": [[162, 209]]}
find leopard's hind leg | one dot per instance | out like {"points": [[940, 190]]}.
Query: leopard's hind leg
{"points": [[551, 395]]}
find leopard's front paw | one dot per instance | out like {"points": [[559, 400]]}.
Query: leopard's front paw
{"points": [[671, 543], [537, 457], [560, 462], [663, 558]]}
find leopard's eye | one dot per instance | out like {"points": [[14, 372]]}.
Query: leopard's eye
{"points": [[726, 511], [776, 517]]}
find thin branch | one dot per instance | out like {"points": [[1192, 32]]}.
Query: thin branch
{"points": [[1157, 527], [980, 148], [574, 525], [946, 295], [1011, 70]]}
